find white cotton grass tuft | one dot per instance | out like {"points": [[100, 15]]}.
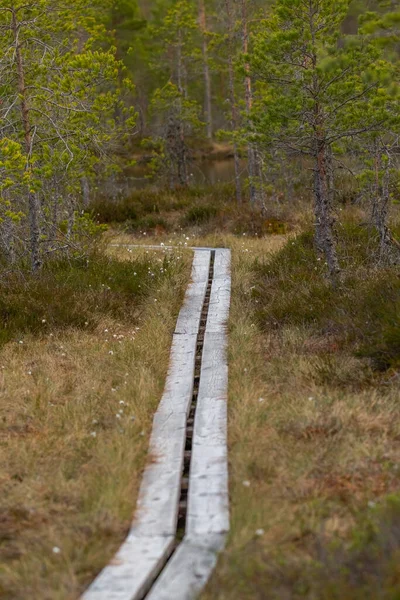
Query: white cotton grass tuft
{"points": [[260, 532]]}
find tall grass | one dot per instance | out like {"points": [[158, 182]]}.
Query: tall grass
{"points": [[76, 293]]}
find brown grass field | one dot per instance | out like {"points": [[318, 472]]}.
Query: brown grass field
{"points": [[314, 428], [77, 410]]}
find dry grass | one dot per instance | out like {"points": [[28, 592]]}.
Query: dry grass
{"points": [[314, 461], [200, 211], [76, 410]]}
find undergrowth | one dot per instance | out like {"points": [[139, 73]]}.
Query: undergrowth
{"points": [[313, 426], [200, 208], [75, 293], [363, 313]]}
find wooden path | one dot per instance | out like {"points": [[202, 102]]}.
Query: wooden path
{"points": [[182, 516]]}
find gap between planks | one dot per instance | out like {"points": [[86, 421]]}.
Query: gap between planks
{"points": [[151, 540]]}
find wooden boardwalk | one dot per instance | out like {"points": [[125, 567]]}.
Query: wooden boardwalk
{"points": [[184, 491]]}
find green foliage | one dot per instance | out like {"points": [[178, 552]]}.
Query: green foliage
{"points": [[62, 112], [310, 84]]}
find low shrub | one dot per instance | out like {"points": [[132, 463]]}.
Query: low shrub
{"points": [[107, 211], [198, 215], [75, 293], [363, 312]]}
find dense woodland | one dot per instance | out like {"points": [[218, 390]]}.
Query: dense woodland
{"points": [[85, 88]]}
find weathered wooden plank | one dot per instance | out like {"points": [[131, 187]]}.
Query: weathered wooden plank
{"points": [[189, 569], [151, 539], [218, 313], [158, 247], [189, 316], [179, 384], [222, 264], [208, 505], [133, 569], [208, 500], [214, 368]]}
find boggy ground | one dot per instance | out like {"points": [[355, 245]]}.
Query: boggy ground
{"points": [[314, 426], [83, 359], [314, 420]]}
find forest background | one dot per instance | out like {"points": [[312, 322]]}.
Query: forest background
{"points": [[291, 88]]}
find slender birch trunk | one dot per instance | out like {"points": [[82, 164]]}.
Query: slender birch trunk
{"points": [[25, 116], [251, 150], [85, 191], [7, 231], [389, 250], [206, 71], [180, 151], [234, 111]]}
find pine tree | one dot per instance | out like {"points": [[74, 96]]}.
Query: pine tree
{"points": [[316, 90]]}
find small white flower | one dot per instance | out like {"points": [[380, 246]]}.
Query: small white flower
{"points": [[93, 434], [261, 400], [43, 320], [20, 342], [29, 372], [371, 504], [56, 550], [311, 398], [118, 416], [106, 331], [260, 532], [121, 402], [111, 352], [246, 483], [94, 422]]}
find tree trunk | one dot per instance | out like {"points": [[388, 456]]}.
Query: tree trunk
{"points": [[70, 218], [324, 221], [206, 71], [251, 150], [54, 220], [25, 116], [179, 153], [234, 111], [7, 228], [85, 191], [389, 251]]}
